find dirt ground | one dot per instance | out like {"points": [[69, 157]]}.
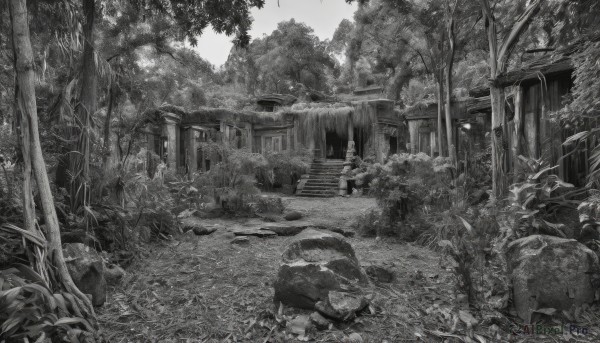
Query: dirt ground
{"points": [[205, 289]]}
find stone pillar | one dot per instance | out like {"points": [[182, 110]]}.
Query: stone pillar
{"points": [[170, 130], [413, 128], [250, 135], [191, 148]]}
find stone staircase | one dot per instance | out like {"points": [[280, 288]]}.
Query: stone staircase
{"points": [[323, 180]]}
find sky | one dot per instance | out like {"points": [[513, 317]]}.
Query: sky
{"points": [[322, 15]]}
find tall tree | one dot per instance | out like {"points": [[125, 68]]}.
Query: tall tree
{"points": [[499, 54], [32, 149]]}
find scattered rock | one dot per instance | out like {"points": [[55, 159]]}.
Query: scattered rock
{"points": [[87, 270], [319, 321], [343, 232], [380, 273], [241, 240], [113, 274], [315, 263], [202, 231], [550, 272], [299, 325], [342, 305], [284, 230], [294, 215], [254, 232], [354, 338]]}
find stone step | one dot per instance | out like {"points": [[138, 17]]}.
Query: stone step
{"points": [[316, 195]]}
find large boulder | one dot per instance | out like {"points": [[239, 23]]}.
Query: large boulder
{"points": [[550, 272], [87, 270], [314, 264]]}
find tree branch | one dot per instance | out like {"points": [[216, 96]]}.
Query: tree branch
{"points": [[519, 26]]}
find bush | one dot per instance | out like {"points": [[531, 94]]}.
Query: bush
{"points": [[478, 260], [29, 310], [269, 205], [231, 182], [284, 167], [535, 201], [405, 182]]}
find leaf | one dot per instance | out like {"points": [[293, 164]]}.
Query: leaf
{"points": [[576, 137], [541, 172], [466, 224], [547, 311]]}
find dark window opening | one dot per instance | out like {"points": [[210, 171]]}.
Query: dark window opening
{"points": [[336, 146], [393, 145]]}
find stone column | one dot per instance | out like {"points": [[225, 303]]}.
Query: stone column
{"points": [[170, 129], [191, 148], [250, 135]]}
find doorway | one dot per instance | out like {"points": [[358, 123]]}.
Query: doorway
{"points": [[335, 146]]}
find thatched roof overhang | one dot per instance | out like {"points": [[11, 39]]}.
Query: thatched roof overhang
{"points": [[276, 99], [213, 116], [368, 90]]}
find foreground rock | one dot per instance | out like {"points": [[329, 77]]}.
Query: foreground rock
{"points": [[113, 274], [342, 305], [257, 232], [284, 230], [203, 231], [294, 215], [550, 272], [87, 270], [316, 264], [380, 272]]}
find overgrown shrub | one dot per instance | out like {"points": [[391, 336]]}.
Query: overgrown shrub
{"points": [[30, 311], [405, 182], [535, 201], [283, 167], [232, 181], [269, 204], [476, 252]]}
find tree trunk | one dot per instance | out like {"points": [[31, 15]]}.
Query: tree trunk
{"points": [[80, 161], [498, 62], [440, 93], [106, 157], [448, 72], [29, 122]]}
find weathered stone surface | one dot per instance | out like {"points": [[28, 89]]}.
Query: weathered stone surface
{"points": [[87, 270], [550, 272], [202, 230], [315, 263], [240, 240], [319, 321], [284, 230], [380, 273], [254, 232], [113, 274], [342, 305], [299, 325], [343, 232], [294, 215]]}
